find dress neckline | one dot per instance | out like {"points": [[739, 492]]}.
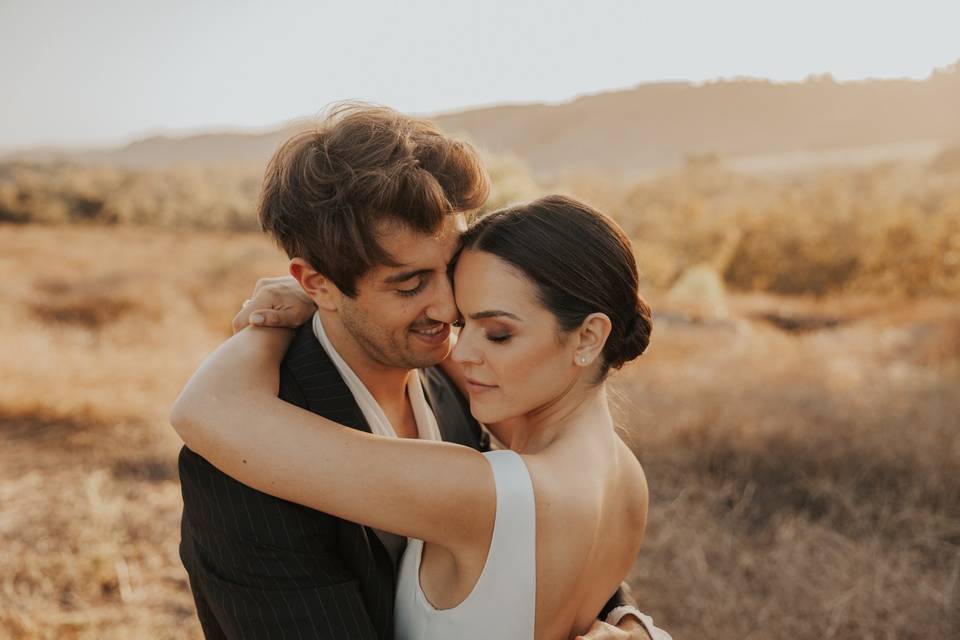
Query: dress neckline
{"points": [[420, 595]]}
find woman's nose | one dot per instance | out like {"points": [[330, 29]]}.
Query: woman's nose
{"points": [[463, 351]]}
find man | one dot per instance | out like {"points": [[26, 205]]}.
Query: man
{"points": [[363, 208]]}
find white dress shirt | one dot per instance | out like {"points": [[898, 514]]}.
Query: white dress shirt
{"points": [[427, 427]]}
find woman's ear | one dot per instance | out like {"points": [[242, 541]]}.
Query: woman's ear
{"points": [[321, 289], [593, 334]]}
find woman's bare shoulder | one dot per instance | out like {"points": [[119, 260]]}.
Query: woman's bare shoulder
{"points": [[565, 497], [636, 492]]}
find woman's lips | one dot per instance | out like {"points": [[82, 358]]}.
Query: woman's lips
{"points": [[474, 387]]}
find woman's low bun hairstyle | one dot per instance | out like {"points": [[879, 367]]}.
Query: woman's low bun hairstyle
{"points": [[581, 262]]}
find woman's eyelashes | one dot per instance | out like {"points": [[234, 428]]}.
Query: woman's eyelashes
{"points": [[492, 335]]}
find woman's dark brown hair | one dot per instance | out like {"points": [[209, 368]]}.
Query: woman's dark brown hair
{"points": [[326, 190], [580, 261]]}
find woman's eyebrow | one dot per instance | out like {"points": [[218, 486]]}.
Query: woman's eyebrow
{"points": [[494, 313], [403, 276]]}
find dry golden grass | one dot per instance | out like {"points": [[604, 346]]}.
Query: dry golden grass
{"points": [[889, 229], [100, 328], [886, 229], [803, 485], [803, 453]]}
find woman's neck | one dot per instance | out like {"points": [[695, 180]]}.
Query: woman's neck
{"points": [[580, 409]]}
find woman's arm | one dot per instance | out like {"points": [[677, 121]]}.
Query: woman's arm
{"points": [[229, 414], [281, 302]]}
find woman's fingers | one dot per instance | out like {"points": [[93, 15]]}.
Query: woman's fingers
{"points": [[268, 318], [276, 302], [603, 631], [242, 319], [273, 283], [289, 317]]}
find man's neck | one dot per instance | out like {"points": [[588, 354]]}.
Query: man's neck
{"points": [[387, 384]]}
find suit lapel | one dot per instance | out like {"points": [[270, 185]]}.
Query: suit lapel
{"points": [[329, 396], [451, 410], [323, 388]]}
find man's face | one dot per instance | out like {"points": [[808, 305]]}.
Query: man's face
{"points": [[401, 315]]}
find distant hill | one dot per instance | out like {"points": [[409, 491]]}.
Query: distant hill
{"points": [[658, 124], [161, 151], [755, 123]]}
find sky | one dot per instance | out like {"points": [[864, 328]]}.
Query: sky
{"points": [[99, 72]]}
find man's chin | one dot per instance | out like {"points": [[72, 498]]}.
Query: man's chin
{"points": [[421, 358]]}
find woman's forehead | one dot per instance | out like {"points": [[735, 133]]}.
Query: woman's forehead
{"points": [[483, 279]]}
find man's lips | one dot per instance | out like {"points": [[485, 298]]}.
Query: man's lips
{"points": [[435, 335]]}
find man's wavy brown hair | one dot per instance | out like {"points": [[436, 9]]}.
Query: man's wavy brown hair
{"points": [[326, 190]]}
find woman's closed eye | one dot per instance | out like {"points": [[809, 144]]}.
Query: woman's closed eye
{"points": [[498, 335]]}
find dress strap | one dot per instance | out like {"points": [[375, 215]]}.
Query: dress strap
{"points": [[513, 547], [503, 602]]}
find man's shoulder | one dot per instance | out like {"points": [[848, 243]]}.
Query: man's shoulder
{"points": [[309, 378], [437, 380], [305, 350]]}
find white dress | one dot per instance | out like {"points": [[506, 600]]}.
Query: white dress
{"points": [[503, 603]]}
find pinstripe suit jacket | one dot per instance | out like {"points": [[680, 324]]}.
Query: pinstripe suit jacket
{"points": [[262, 567]]}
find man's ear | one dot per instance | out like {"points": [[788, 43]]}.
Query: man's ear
{"points": [[316, 285], [592, 335]]}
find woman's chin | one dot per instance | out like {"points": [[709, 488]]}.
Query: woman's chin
{"points": [[494, 415], [484, 414]]}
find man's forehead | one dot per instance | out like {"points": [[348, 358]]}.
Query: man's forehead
{"points": [[412, 249], [396, 238], [452, 224]]}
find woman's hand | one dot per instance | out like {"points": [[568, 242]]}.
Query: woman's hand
{"points": [[275, 302], [628, 629]]}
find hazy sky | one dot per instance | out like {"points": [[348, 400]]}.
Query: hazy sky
{"points": [[102, 72]]}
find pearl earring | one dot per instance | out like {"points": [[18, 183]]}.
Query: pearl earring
{"points": [[583, 359]]}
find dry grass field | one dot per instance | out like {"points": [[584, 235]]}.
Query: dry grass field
{"points": [[881, 229], [100, 328], [803, 453], [797, 414]]}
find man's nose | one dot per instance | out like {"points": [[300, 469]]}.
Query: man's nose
{"points": [[442, 307]]}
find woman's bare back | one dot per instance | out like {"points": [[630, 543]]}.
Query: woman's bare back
{"points": [[591, 513], [591, 502]]}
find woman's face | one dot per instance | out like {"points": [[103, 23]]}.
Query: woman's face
{"points": [[511, 351]]}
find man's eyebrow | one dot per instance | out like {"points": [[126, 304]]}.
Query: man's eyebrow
{"points": [[494, 313], [403, 276]]}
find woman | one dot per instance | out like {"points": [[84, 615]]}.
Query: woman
{"points": [[548, 297]]}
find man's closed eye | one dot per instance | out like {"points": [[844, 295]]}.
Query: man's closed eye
{"points": [[406, 293]]}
